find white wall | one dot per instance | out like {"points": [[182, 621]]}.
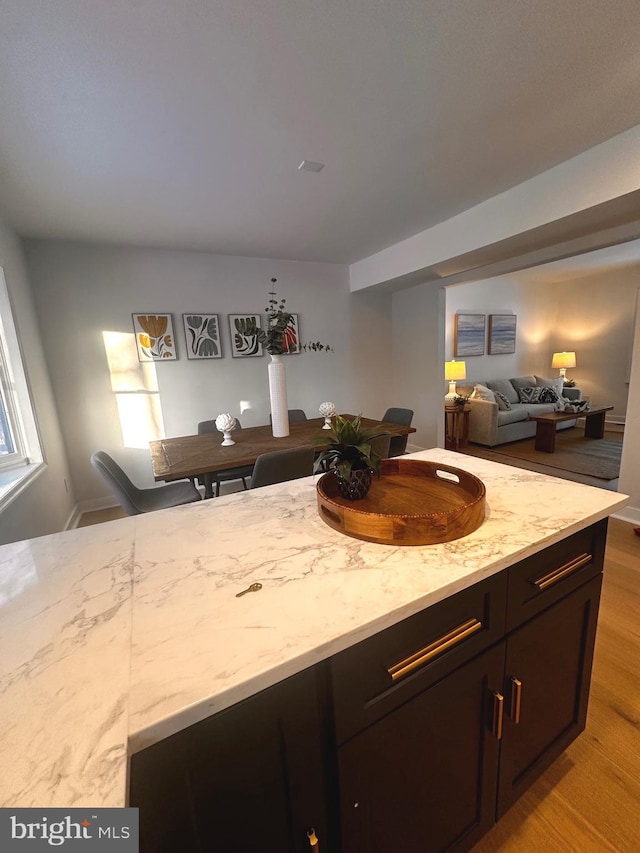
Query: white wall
{"points": [[631, 448], [418, 347], [82, 290], [596, 319], [44, 505]]}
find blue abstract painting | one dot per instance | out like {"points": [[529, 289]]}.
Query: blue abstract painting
{"points": [[469, 334], [502, 334]]}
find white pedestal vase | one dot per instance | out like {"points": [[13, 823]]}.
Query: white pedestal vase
{"points": [[278, 397]]}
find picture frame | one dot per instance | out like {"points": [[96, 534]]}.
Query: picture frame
{"points": [[202, 336], [291, 337], [244, 344], [155, 340], [502, 334], [469, 335]]}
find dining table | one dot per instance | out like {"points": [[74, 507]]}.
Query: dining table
{"points": [[190, 456]]}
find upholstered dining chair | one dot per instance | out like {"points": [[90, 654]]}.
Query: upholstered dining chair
{"points": [[295, 415], [278, 466], [398, 416], [242, 472], [135, 501]]}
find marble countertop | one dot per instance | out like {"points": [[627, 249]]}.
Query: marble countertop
{"points": [[115, 636]]}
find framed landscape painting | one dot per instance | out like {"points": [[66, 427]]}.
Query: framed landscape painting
{"points": [[468, 336], [202, 335], [154, 337], [502, 334], [244, 342]]}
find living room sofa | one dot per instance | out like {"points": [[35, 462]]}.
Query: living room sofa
{"points": [[497, 421]]}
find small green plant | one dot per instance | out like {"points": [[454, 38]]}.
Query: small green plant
{"points": [[460, 401], [350, 448]]}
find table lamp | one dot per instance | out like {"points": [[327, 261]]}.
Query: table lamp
{"points": [[563, 360], [453, 370]]}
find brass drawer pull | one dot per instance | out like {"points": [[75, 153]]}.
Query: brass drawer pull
{"points": [[563, 571], [498, 708], [516, 699], [417, 659]]}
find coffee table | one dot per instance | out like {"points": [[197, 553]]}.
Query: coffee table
{"points": [[546, 425]]}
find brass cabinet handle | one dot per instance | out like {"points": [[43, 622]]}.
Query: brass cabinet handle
{"points": [[437, 647], [563, 571], [498, 708], [516, 699]]}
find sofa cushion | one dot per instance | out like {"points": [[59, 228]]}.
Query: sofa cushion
{"points": [[503, 404], [512, 416], [523, 382], [505, 388], [557, 384], [535, 409], [484, 393], [529, 395]]}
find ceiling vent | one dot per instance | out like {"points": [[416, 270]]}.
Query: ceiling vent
{"points": [[310, 166]]}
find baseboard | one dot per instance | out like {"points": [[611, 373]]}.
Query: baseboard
{"points": [[96, 504], [74, 519], [413, 448], [630, 514]]}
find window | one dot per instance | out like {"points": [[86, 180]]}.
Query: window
{"points": [[20, 452]]}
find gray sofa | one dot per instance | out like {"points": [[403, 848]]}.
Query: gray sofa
{"points": [[491, 423]]}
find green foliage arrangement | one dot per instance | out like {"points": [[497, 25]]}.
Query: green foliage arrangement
{"points": [[350, 447], [279, 336]]}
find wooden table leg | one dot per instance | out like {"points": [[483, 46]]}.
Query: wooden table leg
{"points": [[594, 425], [207, 479], [545, 436]]}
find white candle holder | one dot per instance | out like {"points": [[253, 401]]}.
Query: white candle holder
{"points": [[225, 424], [327, 410]]}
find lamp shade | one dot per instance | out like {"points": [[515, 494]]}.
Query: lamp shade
{"points": [[454, 370], [563, 359]]}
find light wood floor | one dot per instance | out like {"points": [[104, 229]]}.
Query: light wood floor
{"points": [[589, 800]]}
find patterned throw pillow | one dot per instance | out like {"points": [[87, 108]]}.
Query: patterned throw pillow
{"points": [[529, 395], [548, 395], [501, 400]]}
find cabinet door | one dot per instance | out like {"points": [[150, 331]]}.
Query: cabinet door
{"points": [[423, 778], [551, 658], [248, 778]]}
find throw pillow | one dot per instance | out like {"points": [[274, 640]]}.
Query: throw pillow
{"points": [[529, 395], [483, 393], [548, 395], [557, 384], [501, 400]]}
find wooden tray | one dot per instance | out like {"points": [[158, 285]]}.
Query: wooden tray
{"points": [[411, 503]]}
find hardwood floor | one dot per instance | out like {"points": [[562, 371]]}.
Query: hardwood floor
{"points": [[589, 800]]}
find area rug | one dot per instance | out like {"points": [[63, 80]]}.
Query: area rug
{"points": [[594, 457]]}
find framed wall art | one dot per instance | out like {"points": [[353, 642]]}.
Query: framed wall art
{"points": [[244, 342], [468, 335], [202, 335], [154, 337], [502, 334], [291, 336]]}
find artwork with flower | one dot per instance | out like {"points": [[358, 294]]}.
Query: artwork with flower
{"points": [[154, 337], [202, 334]]}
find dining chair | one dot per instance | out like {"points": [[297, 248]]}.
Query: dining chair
{"points": [[398, 416], [381, 444], [135, 501], [278, 466], [295, 415], [242, 472]]}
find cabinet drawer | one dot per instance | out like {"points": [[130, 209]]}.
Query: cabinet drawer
{"points": [[375, 676], [546, 577]]}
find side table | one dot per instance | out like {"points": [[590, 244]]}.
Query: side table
{"points": [[456, 427]]}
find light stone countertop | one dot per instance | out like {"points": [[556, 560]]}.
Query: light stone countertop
{"points": [[115, 636]]}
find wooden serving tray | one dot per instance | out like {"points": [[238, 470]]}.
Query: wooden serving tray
{"points": [[412, 503]]}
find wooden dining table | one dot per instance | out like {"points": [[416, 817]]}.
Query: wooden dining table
{"points": [[189, 456]]}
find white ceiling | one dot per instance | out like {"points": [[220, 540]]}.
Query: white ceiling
{"points": [[181, 123]]}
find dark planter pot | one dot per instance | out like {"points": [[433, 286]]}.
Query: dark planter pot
{"points": [[357, 486]]}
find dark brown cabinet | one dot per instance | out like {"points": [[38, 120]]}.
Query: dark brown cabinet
{"points": [[416, 740]]}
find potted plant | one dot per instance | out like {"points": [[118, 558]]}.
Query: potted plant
{"points": [[350, 457], [460, 401]]}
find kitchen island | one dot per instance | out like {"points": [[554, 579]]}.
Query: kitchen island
{"points": [[116, 637]]}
